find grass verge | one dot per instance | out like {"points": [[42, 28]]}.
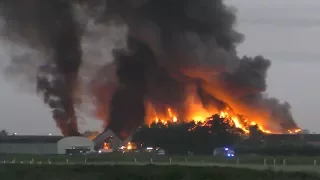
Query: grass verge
{"points": [[79, 172]]}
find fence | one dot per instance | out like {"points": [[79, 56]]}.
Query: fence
{"points": [[169, 161]]}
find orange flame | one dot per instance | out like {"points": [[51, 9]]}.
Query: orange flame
{"points": [[199, 114], [200, 117]]}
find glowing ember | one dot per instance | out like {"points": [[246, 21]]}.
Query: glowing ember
{"points": [[106, 145], [129, 146]]}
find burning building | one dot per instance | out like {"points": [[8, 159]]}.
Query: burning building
{"points": [[180, 63], [108, 141]]}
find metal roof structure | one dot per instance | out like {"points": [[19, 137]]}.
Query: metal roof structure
{"points": [[29, 139], [292, 137]]}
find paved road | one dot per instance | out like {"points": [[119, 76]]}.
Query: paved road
{"points": [[308, 168]]}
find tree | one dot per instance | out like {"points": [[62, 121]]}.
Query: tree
{"points": [[255, 138], [4, 132], [305, 131], [255, 132], [184, 137]]}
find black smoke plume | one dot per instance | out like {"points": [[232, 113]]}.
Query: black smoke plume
{"points": [[172, 45], [50, 26], [176, 43]]}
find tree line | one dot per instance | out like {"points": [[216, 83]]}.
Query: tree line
{"points": [[190, 137], [217, 132]]}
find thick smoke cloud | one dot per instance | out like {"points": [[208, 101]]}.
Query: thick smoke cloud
{"points": [[193, 43], [50, 26], [172, 47]]}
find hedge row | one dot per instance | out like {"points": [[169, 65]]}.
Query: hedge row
{"points": [[49, 172]]}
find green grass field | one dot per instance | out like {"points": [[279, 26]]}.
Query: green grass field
{"points": [[81, 172], [147, 158]]}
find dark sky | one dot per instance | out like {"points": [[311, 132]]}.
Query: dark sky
{"points": [[287, 32]]}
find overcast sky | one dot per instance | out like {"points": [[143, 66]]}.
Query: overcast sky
{"points": [[286, 32]]}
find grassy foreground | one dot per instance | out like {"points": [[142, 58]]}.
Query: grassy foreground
{"points": [[146, 158], [78, 172]]}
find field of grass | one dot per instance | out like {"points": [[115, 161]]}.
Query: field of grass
{"points": [[81, 172], [148, 158]]}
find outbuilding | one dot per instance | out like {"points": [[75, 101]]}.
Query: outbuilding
{"points": [[108, 140], [75, 145], [18, 144]]}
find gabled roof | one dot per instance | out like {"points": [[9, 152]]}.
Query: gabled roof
{"points": [[103, 136], [99, 140], [29, 139]]}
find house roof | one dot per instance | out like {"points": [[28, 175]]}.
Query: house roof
{"points": [[99, 140], [104, 135], [282, 137], [292, 137], [29, 139]]}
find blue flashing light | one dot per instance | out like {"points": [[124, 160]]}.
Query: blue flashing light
{"points": [[226, 149]]}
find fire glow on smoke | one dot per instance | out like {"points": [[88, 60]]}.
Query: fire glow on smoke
{"points": [[179, 63], [200, 115]]}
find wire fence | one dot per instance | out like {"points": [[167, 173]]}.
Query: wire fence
{"points": [[168, 161]]}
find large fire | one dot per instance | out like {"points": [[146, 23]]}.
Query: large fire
{"points": [[199, 114], [201, 117], [196, 112]]}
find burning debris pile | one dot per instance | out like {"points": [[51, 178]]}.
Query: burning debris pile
{"points": [[180, 63]]}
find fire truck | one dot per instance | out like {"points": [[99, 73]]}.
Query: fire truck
{"points": [[227, 152]]}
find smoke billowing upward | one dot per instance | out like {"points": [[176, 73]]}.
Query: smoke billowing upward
{"points": [[49, 26], [131, 73], [180, 54], [193, 45]]}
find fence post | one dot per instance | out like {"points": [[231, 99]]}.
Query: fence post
{"points": [[264, 162], [238, 161], [315, 162], [49, 162], [85, 160], [151, 160], [186, 160], [14, 160], [284, 162], [67, 161], [135, 160], [274, 162], [170, 160]]}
